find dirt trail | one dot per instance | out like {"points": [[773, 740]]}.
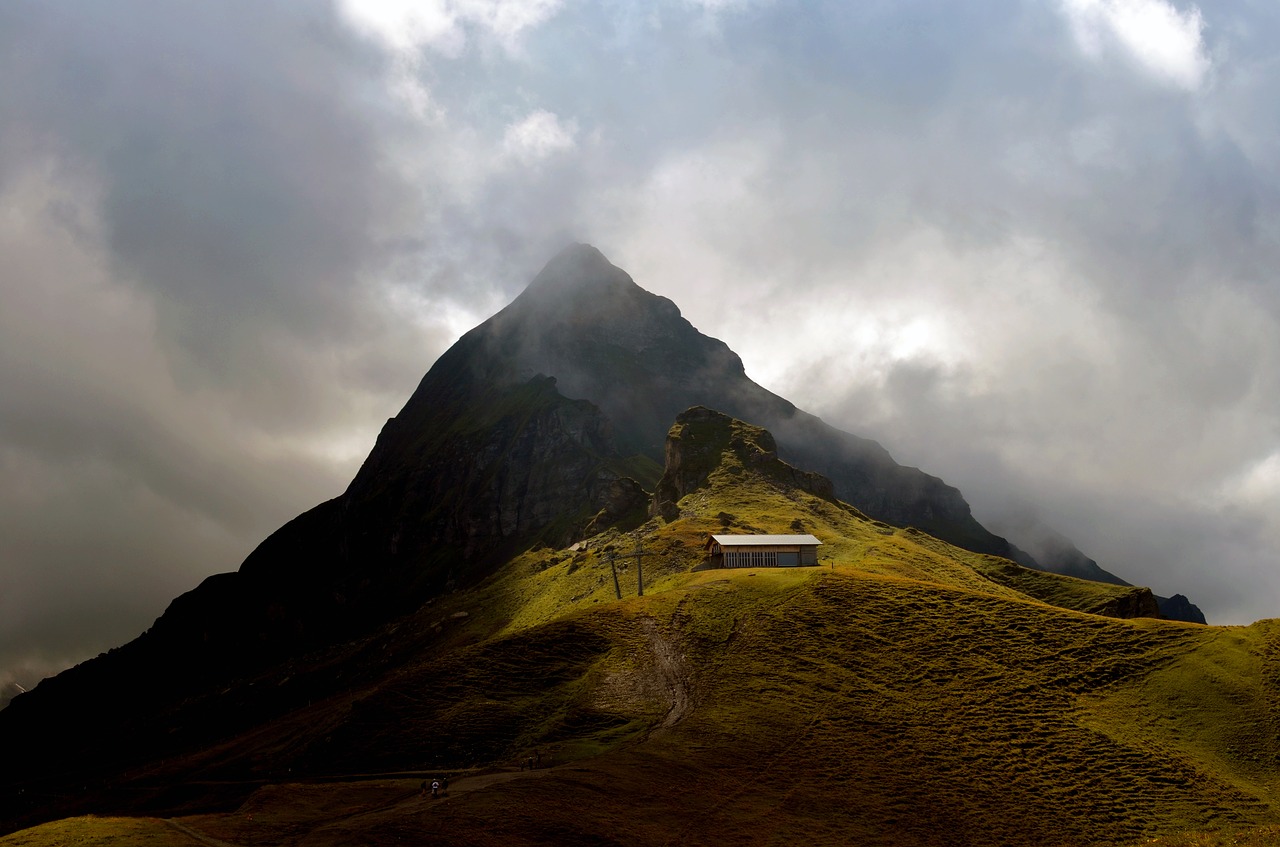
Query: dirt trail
{"points": [[484, 780], [670, 667], [207, 840], [474, 783]]}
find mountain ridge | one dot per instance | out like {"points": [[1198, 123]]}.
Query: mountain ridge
{"points": [[447, 493]]}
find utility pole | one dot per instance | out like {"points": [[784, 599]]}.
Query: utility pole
{"points": [[639, 567], [613, 566]]}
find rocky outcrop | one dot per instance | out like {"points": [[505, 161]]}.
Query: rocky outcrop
{"points": [[700, 442], [1179, 608], [1136, 603]]}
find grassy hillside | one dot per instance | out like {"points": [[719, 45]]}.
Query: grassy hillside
{"points": [[836, 707], [903, 693]]}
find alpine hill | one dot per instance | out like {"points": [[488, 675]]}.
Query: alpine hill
{"points": [[906, 692]]}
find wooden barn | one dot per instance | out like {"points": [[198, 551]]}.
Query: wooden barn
{"points": [[762, 551]]}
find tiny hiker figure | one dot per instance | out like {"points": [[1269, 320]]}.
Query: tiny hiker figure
{"points": [[435, 788], [422, 791], [537, 756], [445, 785]]}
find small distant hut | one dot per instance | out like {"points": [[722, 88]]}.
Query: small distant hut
{"points": [[762, 551]]}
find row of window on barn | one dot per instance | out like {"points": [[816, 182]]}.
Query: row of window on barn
{"points": [[762, 551]]}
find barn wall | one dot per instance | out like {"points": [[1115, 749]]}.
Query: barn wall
{"points": [[769, 556]]}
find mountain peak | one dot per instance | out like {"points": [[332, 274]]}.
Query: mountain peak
{"points": [[581, 289], [579, 268], [580, 253]]}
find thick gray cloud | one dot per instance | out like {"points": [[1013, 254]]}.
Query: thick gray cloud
{"points": [[191, 200], [1027, 245]]}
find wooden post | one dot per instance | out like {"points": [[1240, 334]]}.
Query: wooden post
{"points": [[613, 566], [639, 568]]}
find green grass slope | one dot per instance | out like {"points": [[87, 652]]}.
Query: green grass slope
{"points": [[906, 692], [832, 707], [836, 707]]}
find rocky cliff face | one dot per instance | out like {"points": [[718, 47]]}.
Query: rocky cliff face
{"points": [[460, 481], [1179, 608], [456, 480]]}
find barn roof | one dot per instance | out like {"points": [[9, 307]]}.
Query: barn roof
{"points": [[763, 540]]}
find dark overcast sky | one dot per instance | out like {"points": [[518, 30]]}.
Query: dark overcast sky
{"points": [[1029, 246]]}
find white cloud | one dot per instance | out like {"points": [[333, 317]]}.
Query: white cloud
{"points": [[725, 6], [506, 19], [1164, 41], [408, 25], [404, 28], [539, 135], [1257, 485]]}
